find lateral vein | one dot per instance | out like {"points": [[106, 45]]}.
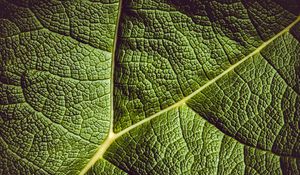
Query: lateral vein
{"points": [[185, 99], [113, 136]]}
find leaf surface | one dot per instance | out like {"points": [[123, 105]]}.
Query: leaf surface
{"points": [[149, 87]]}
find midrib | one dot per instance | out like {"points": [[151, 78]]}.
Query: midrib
{"points": [[113, 136]]}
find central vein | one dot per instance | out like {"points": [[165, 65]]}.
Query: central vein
{"points": [[113, 136]]}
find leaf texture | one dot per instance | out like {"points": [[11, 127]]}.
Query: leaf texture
{"points": [[149, 87]]}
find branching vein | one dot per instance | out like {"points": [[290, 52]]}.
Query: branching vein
{"points": [[113, 136]]}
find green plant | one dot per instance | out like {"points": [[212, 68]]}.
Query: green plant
{"points": [[154, 87]]}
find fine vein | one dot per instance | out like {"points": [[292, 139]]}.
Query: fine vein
{"points": [[113, 136]]}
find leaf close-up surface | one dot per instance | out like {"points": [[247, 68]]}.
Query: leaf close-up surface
{"points": [[149, 87]]}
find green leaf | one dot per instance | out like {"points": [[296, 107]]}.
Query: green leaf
{"points": [[149, 87]]}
